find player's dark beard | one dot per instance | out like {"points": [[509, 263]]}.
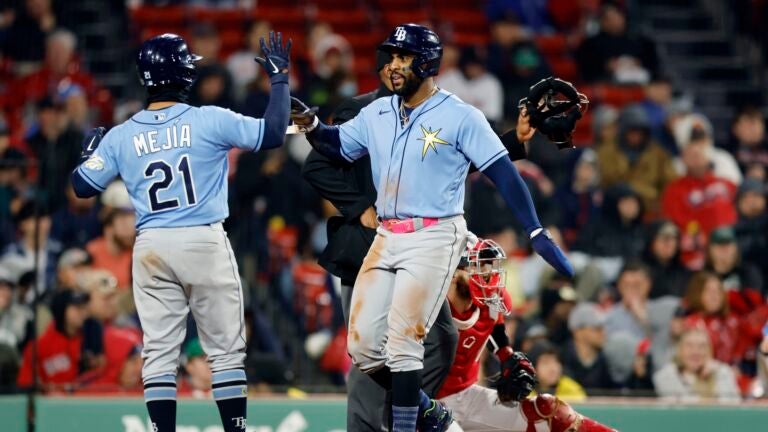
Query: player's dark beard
{"points": [[411, 84], [168, 93]]}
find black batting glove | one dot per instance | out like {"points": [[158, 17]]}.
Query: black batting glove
{"points": [[91, 142], [276, 57]]}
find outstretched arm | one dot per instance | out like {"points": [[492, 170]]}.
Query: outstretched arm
{"points": [[514, 191], [276, 62]]}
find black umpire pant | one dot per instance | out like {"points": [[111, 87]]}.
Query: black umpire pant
{"points": [[367, 403]]}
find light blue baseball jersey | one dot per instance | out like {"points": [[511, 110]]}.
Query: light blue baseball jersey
{"points": [[419, 170], [174, 162]]}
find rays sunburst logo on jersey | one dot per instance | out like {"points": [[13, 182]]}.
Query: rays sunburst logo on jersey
{"points": [[430, 139]]}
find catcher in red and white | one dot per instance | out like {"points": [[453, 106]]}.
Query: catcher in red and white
{"points": [[479, 301]]}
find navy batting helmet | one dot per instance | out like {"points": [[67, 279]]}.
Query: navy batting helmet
{"points": [[164, 60], [420, 41]]}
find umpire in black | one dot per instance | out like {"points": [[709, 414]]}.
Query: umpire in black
{"points": [[350, 189]]}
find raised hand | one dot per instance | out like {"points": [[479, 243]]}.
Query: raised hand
{"points": [[276, 57]]}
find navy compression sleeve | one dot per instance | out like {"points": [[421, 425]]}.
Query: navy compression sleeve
{"points": [[81, 187], [277, 113], [514, 191], [325, 139]]}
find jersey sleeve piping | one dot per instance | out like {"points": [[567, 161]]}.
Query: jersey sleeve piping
{"points": [[89, 180], [493, 159]]}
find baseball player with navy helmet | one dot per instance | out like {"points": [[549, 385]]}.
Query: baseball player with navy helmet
{"points": [[173, 160], [421, 142]]}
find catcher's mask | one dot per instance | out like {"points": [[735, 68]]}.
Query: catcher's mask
{"points": [[554, 106], [487, 278]]}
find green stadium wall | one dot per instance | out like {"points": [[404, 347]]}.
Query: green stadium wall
{"points": [[67, 414]]}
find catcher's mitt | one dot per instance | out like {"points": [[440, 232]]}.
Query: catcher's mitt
{"points": [[554, 107], [517, 378]]}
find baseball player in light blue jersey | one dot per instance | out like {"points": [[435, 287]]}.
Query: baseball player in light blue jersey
{"points": [[421, 142], [173, 160]]}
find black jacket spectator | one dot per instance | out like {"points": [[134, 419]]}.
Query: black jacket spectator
{"points": [[662, 256], [618, 231], [610, 54]]}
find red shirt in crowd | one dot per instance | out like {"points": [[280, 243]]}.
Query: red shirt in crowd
{"points": [[119, 265], [724, 333], [475, 327], [119, 345], [58, 358], [698, 205]]}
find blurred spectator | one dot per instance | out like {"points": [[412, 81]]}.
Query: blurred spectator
{"points": [[257, 98], [332, 80], [662, 256], [658, 97], [241, 66], [696, 127], [214, 83], [640, 316], [198, 371], [618, 230], [71, 264], [57, 147], [113, 250], [579, 200], [752, 227], [514, 60], [739, 278], [74, 102], [707, 309], [266, 361], [628, 361], [122, 347], [549, 371], [12, 182], [19, 257], [749, 143], [763, 363], [698, 203], [615, 55], [474, 85], [695, 374], [59, 348], [582, 357], [605, 125], [15, 318], [76, 223], [31, 25], [532, 13], [557, 300], [61, 69], [635, 158]]}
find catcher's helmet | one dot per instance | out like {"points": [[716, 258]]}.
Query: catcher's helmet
{"points": [[165, 59], [487, 278], [420, 41]]}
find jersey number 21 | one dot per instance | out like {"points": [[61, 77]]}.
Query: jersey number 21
{"points": [[165, 181]]}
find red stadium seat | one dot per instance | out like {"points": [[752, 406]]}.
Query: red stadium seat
{"points": [[158, 16], [469, 38], [279, 16], [463, 20], [343, 21], [618, 95], [397, 5], [555, 45], [221, 18], [367, 82], [564, 67], [583, 134], [393, 18]]}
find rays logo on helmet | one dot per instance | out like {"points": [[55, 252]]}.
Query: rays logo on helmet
{"points": [[147, 75], [94, 163], [400, 33]]}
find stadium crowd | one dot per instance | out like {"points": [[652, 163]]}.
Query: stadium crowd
{"points": [[666, 226]]}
